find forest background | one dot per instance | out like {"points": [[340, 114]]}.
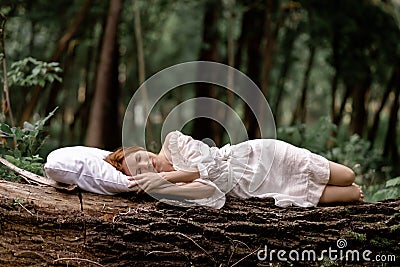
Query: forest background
{"points": [[330, 71]]}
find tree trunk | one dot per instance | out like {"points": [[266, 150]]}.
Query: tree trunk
{"points": [[230, 47], [339, 114], [300, 111], [288, 44], [359, 110], [208, 52], [374, 128], [41, 226], [104, 127], [141, 65], [89, 81], [253, 20], [6, 107], [390, 148], [271, 29], [270, 34], [335, 80]]}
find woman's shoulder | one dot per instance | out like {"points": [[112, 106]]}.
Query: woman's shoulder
{"points": [[174, 135]]}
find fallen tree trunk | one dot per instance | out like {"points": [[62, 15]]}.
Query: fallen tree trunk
{"points": [[41, 226]]}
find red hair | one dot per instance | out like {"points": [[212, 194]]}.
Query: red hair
{"points": [[117, 157]]}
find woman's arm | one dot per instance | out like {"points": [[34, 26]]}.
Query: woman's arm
{"points": [[194, 190], [154, 183], [180, 176], [202, 192], [150, 180]]}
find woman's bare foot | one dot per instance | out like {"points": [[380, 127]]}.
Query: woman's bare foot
{"points": [[361, 193], [342, 194]]}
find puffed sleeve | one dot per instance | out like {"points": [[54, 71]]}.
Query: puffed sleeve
{"points": [[188, 154]]}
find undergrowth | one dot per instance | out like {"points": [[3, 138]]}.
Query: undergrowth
{"points": [[21, 146]]}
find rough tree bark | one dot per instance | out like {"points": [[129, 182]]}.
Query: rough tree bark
{"points": [[43, 227]]}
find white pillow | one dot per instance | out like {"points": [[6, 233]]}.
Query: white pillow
{"points": [[85, 167]]}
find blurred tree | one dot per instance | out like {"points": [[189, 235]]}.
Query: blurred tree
{"points": [[388, 89], [141, 65], [354, 57], [250, 46], [104, 128], [208, 52], [5, 95], [60, 48], [67, 46], [286, 52], [391, 143], [300, 111]]}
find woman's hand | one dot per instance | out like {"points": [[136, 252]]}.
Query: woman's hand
{"points": [[147, 181]]}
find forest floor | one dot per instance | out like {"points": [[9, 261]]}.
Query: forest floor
{"points": [[40, 226]]}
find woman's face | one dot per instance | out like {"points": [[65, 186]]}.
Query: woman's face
{"points": [[139, 162]]}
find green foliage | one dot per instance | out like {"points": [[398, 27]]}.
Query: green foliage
{"points": [[316, 138], [357, 236], [18, 201], [30, 72], [20, 146], [33, 164], [391, 190], [27, 140], [358, 154]]}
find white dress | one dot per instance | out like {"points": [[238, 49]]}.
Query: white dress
{"points": [[261, 168]]}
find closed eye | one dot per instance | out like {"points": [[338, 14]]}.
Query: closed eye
{"points": [[138, 158]]}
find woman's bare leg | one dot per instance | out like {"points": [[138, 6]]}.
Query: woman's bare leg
{"points": [[340, 175], [342, 194], [341, 187]]}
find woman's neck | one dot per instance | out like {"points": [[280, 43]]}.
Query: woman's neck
{"points": [[163, 164]]}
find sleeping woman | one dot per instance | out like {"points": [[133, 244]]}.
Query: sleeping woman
{"points": [[263, 168]]}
